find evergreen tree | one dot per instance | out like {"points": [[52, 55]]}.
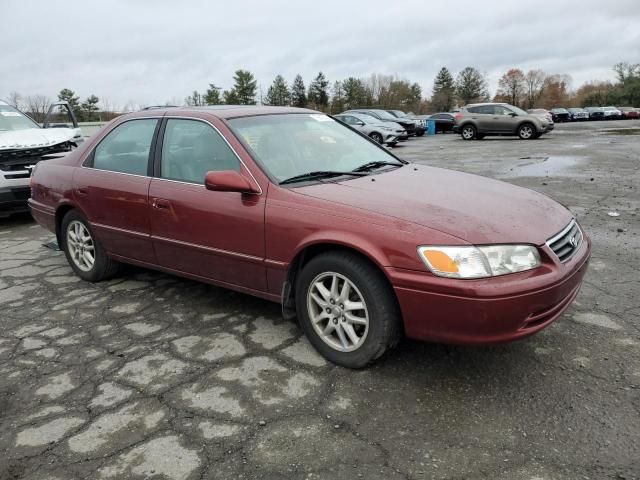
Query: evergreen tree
{"points": [[355, 93], [70, 97], [244, 87], [444, 91], [89, 108], [318, 94], [471, 86], [278, 93], [212, 95], [298, 93], [230, 97]]}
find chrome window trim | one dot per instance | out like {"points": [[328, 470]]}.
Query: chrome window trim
{"points": [[180, 117]]}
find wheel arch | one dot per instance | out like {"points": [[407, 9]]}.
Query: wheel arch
{"points": [[317, 247], [61, 211]]}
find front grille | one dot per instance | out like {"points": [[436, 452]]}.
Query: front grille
{"points": [[567, 242], [16, 156]]}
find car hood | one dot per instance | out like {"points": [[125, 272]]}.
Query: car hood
{"points": [[473, 208], [34, 137]]}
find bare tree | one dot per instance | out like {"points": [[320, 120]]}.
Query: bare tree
{"points": [[37, 106], [15, 100], [534, 81]]}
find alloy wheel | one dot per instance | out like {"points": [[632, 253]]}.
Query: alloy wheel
{"points": [[526, 132], [81, 246], [467, 133], [337, 311]]}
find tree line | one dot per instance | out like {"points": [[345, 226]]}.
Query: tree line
{"points": [[530, 89], [385, 91]]}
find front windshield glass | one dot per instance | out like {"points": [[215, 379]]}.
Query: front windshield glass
{"points": [[385, 115], [517, 110], [400, 113], [13, 119], [367, 118], [295, 144]]}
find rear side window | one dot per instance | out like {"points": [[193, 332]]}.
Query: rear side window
{"points": [[126, 148], [191, 148], [474, 110]]}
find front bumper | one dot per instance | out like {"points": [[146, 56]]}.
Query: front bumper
{"points": [[495, 310], [14, 200]]}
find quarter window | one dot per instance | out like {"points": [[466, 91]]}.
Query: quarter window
{"points": [[191, 148], [126, 148]]}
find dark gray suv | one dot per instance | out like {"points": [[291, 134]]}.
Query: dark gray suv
{"points": [[477, 120]]}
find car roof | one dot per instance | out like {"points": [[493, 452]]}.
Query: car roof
{"points": [[229, 111], [484, 103]]}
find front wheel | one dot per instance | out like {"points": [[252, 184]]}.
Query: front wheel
{"points": [[468, 132], [376, 137], [84, 252], [526, 131], [347, 309]]}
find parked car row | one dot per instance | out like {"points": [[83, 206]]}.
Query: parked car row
{"points": [[588, 113], [386, 127]]}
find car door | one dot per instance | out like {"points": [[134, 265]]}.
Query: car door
{"points": [[504, 120], [482, 117], [210, 234], [112, 188]]}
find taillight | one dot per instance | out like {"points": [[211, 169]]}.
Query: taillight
{"points": [[457, 117]]}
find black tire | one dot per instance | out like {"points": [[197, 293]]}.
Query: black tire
{"points": [[527, 131], [103, 266], [384, 319], [376, 137], [420, 133], [468, 132]]}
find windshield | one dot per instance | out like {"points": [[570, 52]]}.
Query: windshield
{"points": [[385, 115], [366, 118], [13, 119], [295, 144], [399, 113], [517, 110]]}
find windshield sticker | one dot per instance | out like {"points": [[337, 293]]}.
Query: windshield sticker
{"points": [[320, 118], [10, 114]]}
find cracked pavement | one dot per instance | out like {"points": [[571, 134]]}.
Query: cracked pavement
{"points": [[153, 376]]}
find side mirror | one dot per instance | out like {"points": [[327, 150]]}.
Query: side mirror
{"points": [[228, 181], [513, 114], [360, 123]]}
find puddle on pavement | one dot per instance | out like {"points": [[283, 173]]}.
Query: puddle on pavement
{"points": [[543, 166], [622, 131]]}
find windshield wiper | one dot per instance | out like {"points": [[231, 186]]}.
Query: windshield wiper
{"points": [[319, 174], [373, 165]]}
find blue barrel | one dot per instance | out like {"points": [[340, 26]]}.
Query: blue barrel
{"points": [[431, 127]]}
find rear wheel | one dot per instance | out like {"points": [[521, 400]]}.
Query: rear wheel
{"points": [[376, 137], [84, 252], [468, 132], [347, 309], [527, 131]]}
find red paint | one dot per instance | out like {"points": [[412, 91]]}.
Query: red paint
{"points": [[246, 241]]}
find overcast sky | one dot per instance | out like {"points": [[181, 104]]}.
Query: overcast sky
{"points": [[153, 51]]}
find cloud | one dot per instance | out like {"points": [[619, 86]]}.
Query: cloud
{"points": [[152, 51]]}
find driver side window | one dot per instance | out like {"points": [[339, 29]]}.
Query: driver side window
{"points": [[499, 110], [192, 148]]}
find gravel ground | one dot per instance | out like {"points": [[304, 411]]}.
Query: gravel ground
{"points": [[153, 376]]}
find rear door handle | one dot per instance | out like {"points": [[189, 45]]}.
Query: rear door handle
{"points": [[161, 203], [82, 191]]}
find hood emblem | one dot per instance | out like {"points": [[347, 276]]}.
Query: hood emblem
{"points": [[573, 241]]}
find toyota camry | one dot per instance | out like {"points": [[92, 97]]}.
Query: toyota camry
{"points": [[297, 208]]}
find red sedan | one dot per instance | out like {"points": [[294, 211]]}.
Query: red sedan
{"points": [[295, 207]]}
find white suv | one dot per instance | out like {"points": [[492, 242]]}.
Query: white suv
{"points": [[23, 143]]}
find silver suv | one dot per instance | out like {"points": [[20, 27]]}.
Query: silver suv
{"points": [[477, 120]]}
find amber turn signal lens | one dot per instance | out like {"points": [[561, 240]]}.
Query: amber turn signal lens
{"points": [[440, 261]]}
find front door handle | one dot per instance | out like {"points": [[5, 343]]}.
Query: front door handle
{"points": [[161, 203], [82, 191]]}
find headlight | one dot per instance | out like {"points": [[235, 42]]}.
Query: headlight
{"points": [[479, 262], [388, 129]]}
